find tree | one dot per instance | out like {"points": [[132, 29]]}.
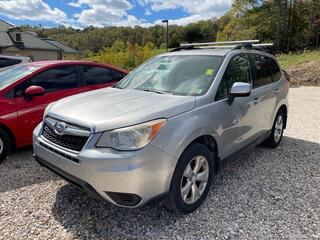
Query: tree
{"points": [[192, 33]]}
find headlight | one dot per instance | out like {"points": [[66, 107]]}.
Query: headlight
{"points": [[131, 138]]}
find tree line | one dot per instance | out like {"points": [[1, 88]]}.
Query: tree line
{"points": [[291, 24]]}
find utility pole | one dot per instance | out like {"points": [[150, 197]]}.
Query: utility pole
{"points": [[167, 21]]}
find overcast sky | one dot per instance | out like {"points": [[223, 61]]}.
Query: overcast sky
{"points": [[100, 13]]}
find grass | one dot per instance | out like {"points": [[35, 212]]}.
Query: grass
{"points": [[292, 60], [126, 59]]}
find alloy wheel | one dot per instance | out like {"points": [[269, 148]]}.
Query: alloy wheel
{"points": [[1, 145], [194, 179], [278, 128]]}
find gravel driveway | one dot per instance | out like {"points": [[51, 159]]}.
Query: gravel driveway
{"points": [[264, 194]]}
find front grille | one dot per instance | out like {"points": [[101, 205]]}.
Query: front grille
{"points": [[75, 143], [59, 153]]}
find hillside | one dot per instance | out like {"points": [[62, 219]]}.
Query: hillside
{"points": [[303, 68]]}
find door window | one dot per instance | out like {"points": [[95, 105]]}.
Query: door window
{"points": [[54, 79], [238, 70], [262, 71], [96, 75], [117, 75]]}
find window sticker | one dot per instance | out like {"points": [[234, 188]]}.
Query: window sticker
{"points": [[210, 72], [196, 90]]}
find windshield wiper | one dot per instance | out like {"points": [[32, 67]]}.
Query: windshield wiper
{"points": [[116, 86], [156, 91]]}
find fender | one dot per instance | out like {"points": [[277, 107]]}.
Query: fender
{"points": [[181, 135]]}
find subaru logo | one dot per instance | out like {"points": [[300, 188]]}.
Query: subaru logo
{"points": [[59, 128]]}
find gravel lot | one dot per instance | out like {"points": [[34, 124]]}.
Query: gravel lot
{"points": [[264, 194]]}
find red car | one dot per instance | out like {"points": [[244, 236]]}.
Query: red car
{"points": [[26, 90]]}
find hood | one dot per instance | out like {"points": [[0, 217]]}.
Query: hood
{"points": [[112, 108]]}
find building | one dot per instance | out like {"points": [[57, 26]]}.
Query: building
{"points": [[17, 42]]}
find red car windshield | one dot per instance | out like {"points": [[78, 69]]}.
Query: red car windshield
{"points": [[13, 74]]}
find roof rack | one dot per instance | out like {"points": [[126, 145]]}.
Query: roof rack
{"points": [[218, 43], [233, 45]]}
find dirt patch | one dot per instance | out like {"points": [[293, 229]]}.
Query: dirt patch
{"points": [[305, 74]]}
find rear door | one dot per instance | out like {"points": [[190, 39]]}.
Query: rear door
{"points": [[96, 77], [263, 89], [58, 82]]}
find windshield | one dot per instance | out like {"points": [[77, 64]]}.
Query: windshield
{"points": [[13, 74], [179, 75]]}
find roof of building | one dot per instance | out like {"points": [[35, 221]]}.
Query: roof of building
{"points": [[5, 26], [30, 40], [62, 46]]}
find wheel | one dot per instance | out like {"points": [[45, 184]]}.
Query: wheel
{"points": [[191, 180], [5, 145], [277, 131]]}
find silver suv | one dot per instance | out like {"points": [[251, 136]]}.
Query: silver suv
{"points": [[162, 132]]}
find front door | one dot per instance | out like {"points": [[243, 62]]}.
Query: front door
{"points": [[58, 82], [238, 124]]}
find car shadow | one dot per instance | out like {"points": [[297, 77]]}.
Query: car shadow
{"points": [[260, 172], [20, 169]]}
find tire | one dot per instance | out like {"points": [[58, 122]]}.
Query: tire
{"points": [[5, 144], [276, 134], [186, 166]]}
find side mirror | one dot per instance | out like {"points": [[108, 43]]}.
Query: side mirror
{"points": [[239, 89], [33, 91]]}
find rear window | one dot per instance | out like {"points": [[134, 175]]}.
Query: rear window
{"points": [[262, 71], [276, 72], [6, 62]]}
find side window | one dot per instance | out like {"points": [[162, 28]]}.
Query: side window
{"points": [[6, 62], [262, 71], [96, 75], [276, 72], [238, 70], [116, 75], [54, 79]]}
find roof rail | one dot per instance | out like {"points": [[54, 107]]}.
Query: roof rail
{"points": [[218, 43], [233, 45]]}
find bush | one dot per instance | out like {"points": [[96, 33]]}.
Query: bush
{"points": [[127, 56]]}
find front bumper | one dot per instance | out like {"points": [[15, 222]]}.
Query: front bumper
{"points": [[140, 175]]}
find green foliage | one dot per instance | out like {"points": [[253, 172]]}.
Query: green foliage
{"points": [[292, 60], [127, 56], [93, 40], [290, 24], [192, 33]]}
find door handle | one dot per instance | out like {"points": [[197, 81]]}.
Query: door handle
{"points": [[257, 100], [277, 90]]}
